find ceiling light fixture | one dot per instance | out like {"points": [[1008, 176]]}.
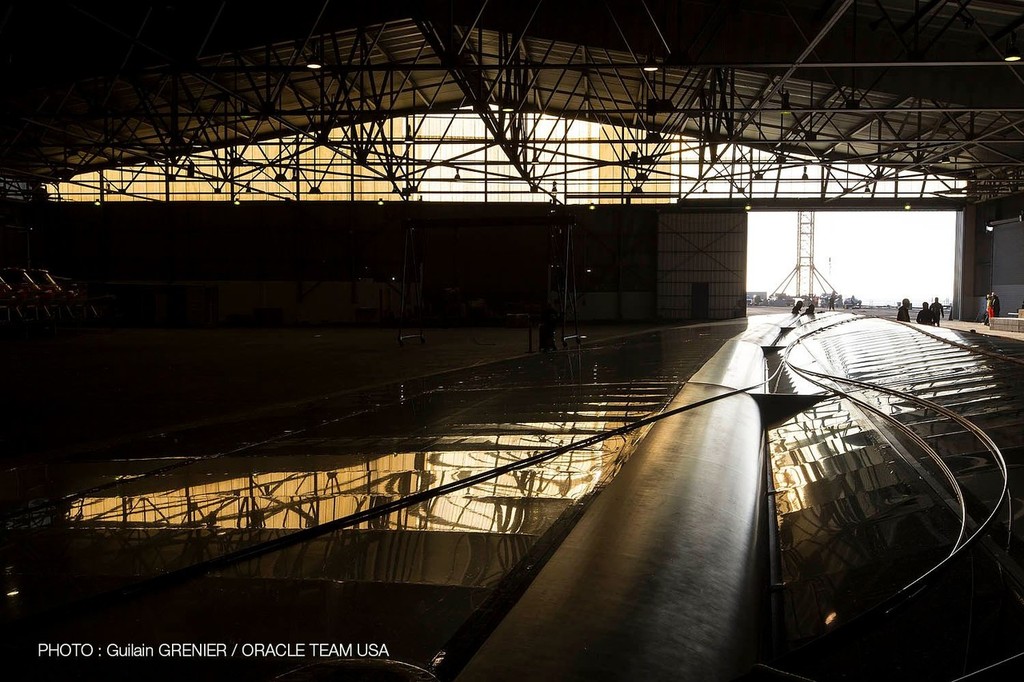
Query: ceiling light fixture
{"points": [[805, 176], [785, 103], [1012, 51], [650, 66], [316, 60]]}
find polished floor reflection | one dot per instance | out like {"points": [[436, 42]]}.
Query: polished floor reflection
{"points": [[103, 545]]}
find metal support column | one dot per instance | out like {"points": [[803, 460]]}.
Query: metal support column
{"points": [[569, 292], [412, 279]]}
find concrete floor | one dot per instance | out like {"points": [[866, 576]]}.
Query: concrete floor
{"points": [[890, 314], [83, 389]]}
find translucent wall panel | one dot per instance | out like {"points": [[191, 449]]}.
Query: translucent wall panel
{"points": [[460, 157]]}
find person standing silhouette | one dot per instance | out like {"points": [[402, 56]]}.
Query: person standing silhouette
{"points": [[938, 311], [548, 325], [903, 314], [925, 316]]}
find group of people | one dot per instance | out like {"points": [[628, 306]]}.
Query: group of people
{"points": [[831, 300], [930, 314], [800, 304]]}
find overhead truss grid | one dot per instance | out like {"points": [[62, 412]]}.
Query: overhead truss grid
{"points": [[468, 101]]}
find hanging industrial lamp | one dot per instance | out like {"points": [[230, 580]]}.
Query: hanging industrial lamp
{"points": [[1012, 51]]}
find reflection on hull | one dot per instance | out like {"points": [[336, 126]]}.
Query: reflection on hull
{"points": [[865, 506]]}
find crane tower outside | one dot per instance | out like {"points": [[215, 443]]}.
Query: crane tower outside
{"points": [[804, 271]]}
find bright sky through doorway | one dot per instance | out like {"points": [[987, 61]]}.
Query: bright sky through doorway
{"points": [[879, 257]]}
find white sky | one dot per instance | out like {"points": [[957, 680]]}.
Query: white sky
{"points": [[879, 257]]}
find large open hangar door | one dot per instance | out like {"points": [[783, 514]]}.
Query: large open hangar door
{"points": [[870, 258]]}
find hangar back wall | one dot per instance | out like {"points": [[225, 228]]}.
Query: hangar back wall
{"points": [[991, 260], [334, 262]]}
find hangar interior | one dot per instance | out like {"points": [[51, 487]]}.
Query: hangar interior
{"points": [[410, 341]]}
